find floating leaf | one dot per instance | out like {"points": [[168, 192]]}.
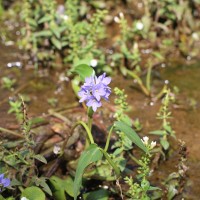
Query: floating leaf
{"points": [[33, 193], [130, 133], [90, 155]]}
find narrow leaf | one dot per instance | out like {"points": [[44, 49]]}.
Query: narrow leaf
{"points": [[56, 43], [130, 133], [40, 158], [45, 33], [46, 18]]}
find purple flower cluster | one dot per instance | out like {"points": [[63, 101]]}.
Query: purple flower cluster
{"points": [[94, 89], [4, 182]]}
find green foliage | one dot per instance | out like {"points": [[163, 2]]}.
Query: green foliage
{"points": [[164, 114], [33, 193], [131, 134], [51, 33], [20, 157], [1, 8], [83, 71], [140, 189], [8, 83], [60, 187], [90, 155], [16, 108], [97, 195]]}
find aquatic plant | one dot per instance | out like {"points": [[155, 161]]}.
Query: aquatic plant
{"points": [[53, 31]]}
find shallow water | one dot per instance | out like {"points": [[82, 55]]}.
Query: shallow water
{"points": [[186, 118]]}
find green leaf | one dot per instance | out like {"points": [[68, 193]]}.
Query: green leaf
{"points": [[56, 43], [84, 71], [97, 195], [45, 33], [158, 132], [164, 143], [33, 193], [2, 198], [90, 155], [131, 134], [32, 22], [42, 182], [55, 31], [46, 18], [69, 186], [60, 186], [40, 158]]}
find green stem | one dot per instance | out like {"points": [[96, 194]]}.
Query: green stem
{"points": [[161, 93], [90, 123], [89, 134], [117, 170], [108, 139], [11, 132], [135, 76], [135, 159]]}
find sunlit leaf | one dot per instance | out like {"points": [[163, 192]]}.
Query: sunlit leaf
{"points": [[56, 43], [44, 33], [90, 155], [130, 133], [33, 193], [84, 71], [61, 186], [46, 18]]}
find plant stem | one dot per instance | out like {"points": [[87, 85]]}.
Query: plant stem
{"points": [[90, 123], [11, 132], [135, 159], [135, 76], [108, 139]]}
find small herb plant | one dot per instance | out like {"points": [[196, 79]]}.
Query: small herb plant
{"points": [[8, 83], [164, 114]]}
